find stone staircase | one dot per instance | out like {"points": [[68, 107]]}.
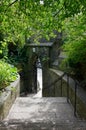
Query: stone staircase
{"points": [[31, 113], [35, 112]]}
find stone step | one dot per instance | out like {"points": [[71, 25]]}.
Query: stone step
{"points": [[45, 126], [40, 110], [30, 113]]}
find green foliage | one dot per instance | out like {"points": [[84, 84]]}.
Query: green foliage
{"points": [[3, 49], [76, 52], [8, 73], [20, 19], [75, 43], [25, 18]]}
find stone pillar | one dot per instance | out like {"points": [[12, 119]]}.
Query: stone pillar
{"points": [[33, 72]]}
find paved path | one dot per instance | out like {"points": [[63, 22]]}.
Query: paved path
{"points": [[37, 113], [29, 113], [39, 78]]}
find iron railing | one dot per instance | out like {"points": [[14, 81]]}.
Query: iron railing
{"points": [[76, 84]]}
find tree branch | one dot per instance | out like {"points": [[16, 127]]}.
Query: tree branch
{"points": [[57, 12], [11, 4]]}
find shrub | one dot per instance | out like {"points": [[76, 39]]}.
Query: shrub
{"points": [[8, 73]]}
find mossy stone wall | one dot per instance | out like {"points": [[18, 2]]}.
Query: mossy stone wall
{"points": [[8, 97]]}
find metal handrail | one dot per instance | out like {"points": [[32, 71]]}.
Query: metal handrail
{"points": [[68, 97], [54, 82]]}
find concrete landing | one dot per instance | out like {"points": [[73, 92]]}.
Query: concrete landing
{"points": [[41, 114], [41, 110]]}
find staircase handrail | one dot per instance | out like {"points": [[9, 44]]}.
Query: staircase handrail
{"points": [[68, 97], [54, 82]]}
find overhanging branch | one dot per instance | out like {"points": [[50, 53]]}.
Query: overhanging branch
{"points": [[58, 12], [11, 4]]}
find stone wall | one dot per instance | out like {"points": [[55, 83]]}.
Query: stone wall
{"points": [[55, 90], [8, 97], [49, 76]]}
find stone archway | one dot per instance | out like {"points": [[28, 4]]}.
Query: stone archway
{"points": [[41, 51]]}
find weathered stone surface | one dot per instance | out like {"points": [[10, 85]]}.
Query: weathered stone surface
{"points": [[55, 90], [42, 114], [8, 97]]}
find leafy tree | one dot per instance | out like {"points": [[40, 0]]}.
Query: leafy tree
{"points": [[28, 17], [20, 19], [75, 44]]}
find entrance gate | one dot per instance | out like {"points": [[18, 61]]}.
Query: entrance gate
{"points": [[40, 51]]}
